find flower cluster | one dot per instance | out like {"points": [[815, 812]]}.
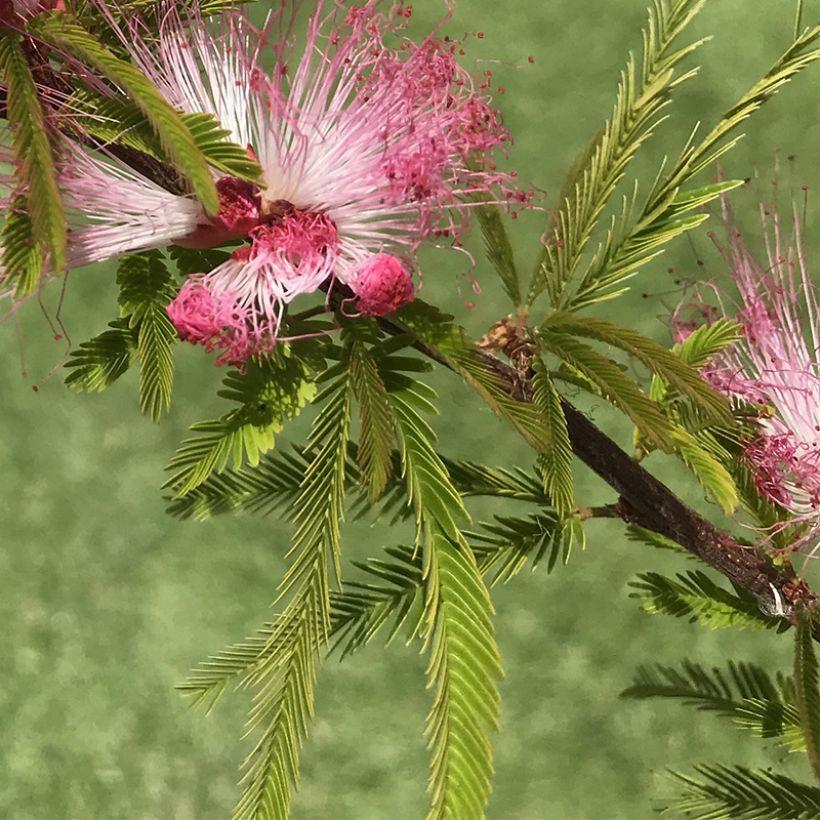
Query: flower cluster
{"points": [[370, 143], [775, 366]]}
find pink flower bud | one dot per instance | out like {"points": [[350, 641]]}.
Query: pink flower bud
{"points": [[382, 286]]}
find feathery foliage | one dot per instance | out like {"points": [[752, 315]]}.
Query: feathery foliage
{"points": [[458, 632], [746, 693], [268, 393], [119, 120], [807, 688], [100, 361], [36, 226], [613, 384], [284, 680], [640, 99], [146, 288], [448, 343], [377, 435], [634, 242], [174, 135], [555, 458], [665, 363], [499, 250], [695, 596], [743, 794], [22, 256], [712, 475]]}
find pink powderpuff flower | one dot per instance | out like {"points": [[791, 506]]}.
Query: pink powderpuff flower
{"points": [[370, 143], [383, 286], [776, 365]]}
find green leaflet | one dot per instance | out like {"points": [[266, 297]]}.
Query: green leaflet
{"points": [[268, 394], [99, 362], [712, 475], [632, 243], [285, 676], [464, 662], [389, 596], [449, 343], [629, 246], [743, 794], [636, 114], [377, 435], [555, 457], [614, 385], [174, 135], [499, 250], [119, 120], [22, 255], [744, 692], [146, 289], [654, 356], [44, 222], [807, 688], [695, 596]]}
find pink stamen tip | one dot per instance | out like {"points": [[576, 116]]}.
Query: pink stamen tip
{"points": [[383, 286]]}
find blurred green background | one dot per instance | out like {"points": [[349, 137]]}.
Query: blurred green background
{"points": [[105, 601]]}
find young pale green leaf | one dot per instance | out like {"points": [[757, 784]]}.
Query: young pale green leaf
{"points": [[268, 394], [37, 172], [100, 361], [695, 157], [146, 289], [555, 456], [629, 246], [742, 794], [807, 688], [499, 250], [174, 135], [705, 342], [696, 597]]}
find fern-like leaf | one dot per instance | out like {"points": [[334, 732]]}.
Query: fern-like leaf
{"points": [[613, 383], [286, 674], [555, 458], [268, 394], [119, 120], [99, 362], [378, 430], [636, 114], [695, 596], [146, 288], [464, 662], [746, 693], [37, 170], [22, 255], [665, 363], [174, 135], [499, 250], [807, 688], [735, 792]]}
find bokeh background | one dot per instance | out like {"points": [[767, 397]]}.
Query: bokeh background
{"points": [[105, 601]]}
